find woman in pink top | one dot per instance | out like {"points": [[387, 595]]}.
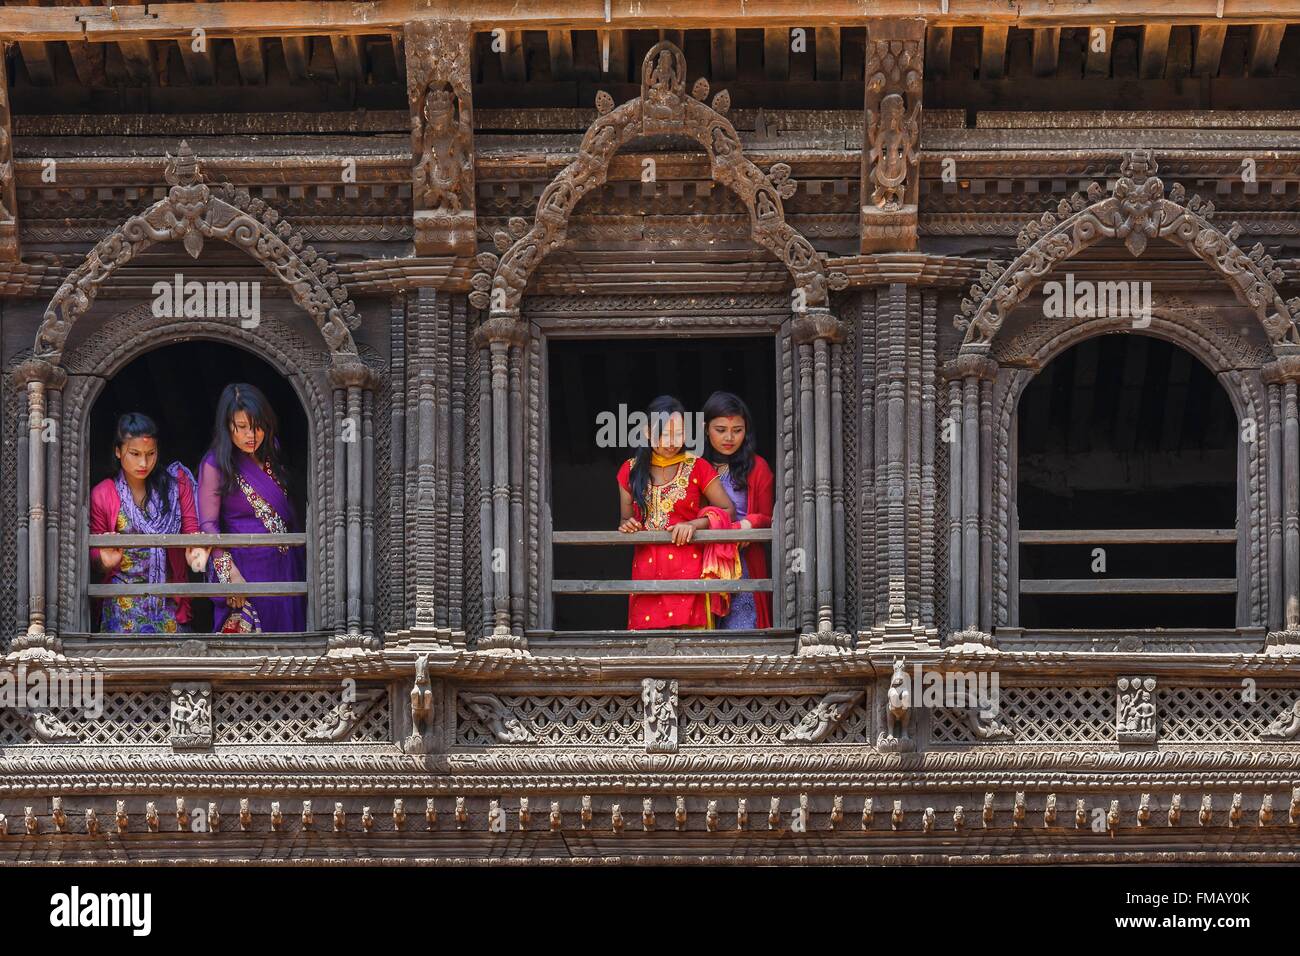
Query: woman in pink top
{"points": [[144, 499]]}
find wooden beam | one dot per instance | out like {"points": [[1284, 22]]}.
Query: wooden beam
{"points": [[828, 53], [722, 50], [1209, 48], [1155, 51], [1047, 51], [36, 56], [286, 17], [616, 41], [88, 62], [1265, 42], [135, 53], [295, 57], [938, 49], [776, 53], [993, 52], [652, 537], [1099, 59], [588, 586], [252, 65], [347, 58], [200, 65], [560, 43], [514, 65]]}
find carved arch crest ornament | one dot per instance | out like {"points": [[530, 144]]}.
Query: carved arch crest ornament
{"points": [[1136, 211], [192, 212], [662, 107]]}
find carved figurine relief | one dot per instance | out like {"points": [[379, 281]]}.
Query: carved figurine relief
{"points": [[1135, 710], [659, 703], [892, 135], [497, 718], [818, 723], [442, 137], [8, 189], [344, 716], [191, 716], [1286, 726], [898, 713]]}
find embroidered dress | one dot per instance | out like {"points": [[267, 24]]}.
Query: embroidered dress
{"points": [[744, 611], [676, 500], [142, 613], [256, 504]]}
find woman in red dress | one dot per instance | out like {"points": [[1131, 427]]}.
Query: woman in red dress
{"points": [[747, 480], [664, 487]]}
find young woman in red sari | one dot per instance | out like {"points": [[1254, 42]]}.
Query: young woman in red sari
{"points": [[747, 480], [664, 487]]}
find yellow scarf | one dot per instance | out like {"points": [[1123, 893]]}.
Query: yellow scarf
{"points": [[660, 461]]}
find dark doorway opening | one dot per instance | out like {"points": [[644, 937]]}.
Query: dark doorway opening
{"points": [[589, 377], [1127, 432], [178, 386]]}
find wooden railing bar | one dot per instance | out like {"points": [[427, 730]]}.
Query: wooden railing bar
{"points": [[688, 586], [1132, 536], [1129, 586], [258, 589], [657, 537], [194, 540]]}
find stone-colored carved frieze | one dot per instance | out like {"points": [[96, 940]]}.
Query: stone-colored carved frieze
{"points": [[1136, 715], [190, 709], [819, 722], [892, 139], [442, 136], [343, 718], [659, 715]]}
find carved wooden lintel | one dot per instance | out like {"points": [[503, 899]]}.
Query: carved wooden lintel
{"points": [[442, 136], [892, 138]]}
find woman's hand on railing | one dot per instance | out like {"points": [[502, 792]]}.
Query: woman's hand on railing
{"points": [[629, 525], [197, 558], [682, 533], [110, 559]]}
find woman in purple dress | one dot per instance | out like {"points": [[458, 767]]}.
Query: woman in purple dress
{"points": [[243, 490]]}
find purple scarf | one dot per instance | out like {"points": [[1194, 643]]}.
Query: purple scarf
{"points": [[267, 488], [156, 517]]}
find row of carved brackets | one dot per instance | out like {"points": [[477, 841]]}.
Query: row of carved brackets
{"points": [[1148, 814]]}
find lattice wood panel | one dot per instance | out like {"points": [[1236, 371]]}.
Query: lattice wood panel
{"points": [[1209, 714], [561, 720], [130, 717], [1039, 715], [285, 715], [720, 720]]}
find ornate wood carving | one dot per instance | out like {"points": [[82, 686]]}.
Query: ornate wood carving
{"points": [[191, 213], [1136, 211], [892, 138], [442, 136], [8, 190], [662, 108]]}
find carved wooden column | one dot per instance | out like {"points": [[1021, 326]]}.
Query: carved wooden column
{"points": [[503, 336], [898, 342], [817, 333], [972, 375], [353, 386], [1283, 379], [891, 142], [42, 383], [442, 136], [8, 188]]}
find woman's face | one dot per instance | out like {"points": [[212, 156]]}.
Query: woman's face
{"points": [[672, 435], [246, 436], [138, 457], [727, 433]]}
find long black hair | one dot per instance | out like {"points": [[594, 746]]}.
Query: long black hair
{"points": [[139, 425], [741, 461], [657, 414], [241, 397]]}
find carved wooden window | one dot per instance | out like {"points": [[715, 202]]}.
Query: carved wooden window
{"points": [[586, 562], [1125, 459], [177, 385]]}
